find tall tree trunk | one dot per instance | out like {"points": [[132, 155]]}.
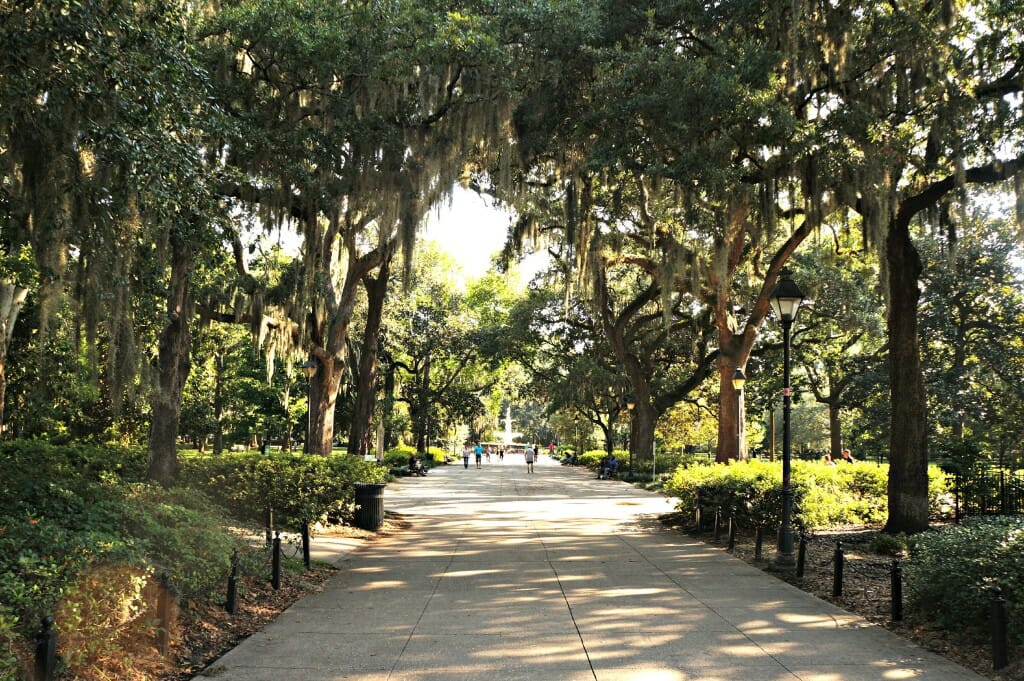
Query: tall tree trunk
{"points": [[218, 404], [643, 418], [173, 369], [730, 432], [12, 298], [366, 381], [908, 447], [835, 428]]}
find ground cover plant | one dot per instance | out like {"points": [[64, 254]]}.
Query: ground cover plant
{"points": [[85, 541]]}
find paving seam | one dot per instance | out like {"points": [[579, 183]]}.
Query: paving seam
{"points": [[707, 605], [419, 619]]}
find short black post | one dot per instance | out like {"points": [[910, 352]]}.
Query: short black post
{"points": [[270, 524], [305, 544], [732, 532], [46, 651], [801, 555], [699, 514], [718, 523], [999, 644], [758, 542], [897, 591], [163, 615], [837, 577], [275, 563], [232, 603]]}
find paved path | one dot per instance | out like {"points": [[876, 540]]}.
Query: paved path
{"points": [[557, 576]]}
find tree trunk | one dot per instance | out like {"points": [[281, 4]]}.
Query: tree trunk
{"points": [[173, 369], [641, 432], [323, 395], [835, 429], [12, 298], [908, 448], [731, 445], [218, 405], [366, 381]]}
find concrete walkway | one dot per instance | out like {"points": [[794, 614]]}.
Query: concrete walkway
{"points": [[559, 576]]}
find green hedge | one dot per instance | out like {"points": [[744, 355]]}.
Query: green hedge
{"points": [[823, 496], [299, 487], [79, 543], [952, 572]]}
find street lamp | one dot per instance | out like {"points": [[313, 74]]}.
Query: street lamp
{"points": [[738, 380], [785, 300], [309, 369], [630, 405]]}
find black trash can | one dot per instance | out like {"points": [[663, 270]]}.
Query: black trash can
{"points": [[369, 505]]}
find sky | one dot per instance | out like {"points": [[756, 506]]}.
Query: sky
{"points": [[471, 228]]}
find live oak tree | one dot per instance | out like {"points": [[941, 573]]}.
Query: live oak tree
{"points": [[354, 119]]}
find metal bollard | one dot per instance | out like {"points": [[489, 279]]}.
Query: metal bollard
{"points": [[305, 544], [699, 514], [275, 563], [801, 555], [718, 524], [46, 651], [232, 603], [164, 614], [837, 577], [758, 542], [732, 532], [897, 591], [999, 643], [269, 524]]}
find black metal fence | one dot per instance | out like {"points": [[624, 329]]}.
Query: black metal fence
{"points": [[988, 492]]}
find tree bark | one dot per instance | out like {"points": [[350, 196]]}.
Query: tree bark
{"points": [[366, 381], [908, 444], [173, 368], [12, 298]]}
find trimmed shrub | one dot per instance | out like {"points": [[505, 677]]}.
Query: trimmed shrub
{"points": [[952, 572], [823, 496], [592, 458], [298, 487]]}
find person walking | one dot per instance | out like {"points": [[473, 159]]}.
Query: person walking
{"points": [[479, 452], [530, 455], [465, 455]]}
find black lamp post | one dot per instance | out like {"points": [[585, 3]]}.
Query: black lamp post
{"points": [[309, 369], [739, 379], [786, 299]]}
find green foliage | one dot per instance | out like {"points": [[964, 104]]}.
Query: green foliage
{"points": [[79, 543], [888, 544], [8, 642], [952, 573], [592, 458], [823, 495], [298, 487]]}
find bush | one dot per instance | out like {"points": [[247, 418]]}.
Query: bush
{"points": [[952, 572], [592, 458], [823, 496], [298, 487], [78, 543]]}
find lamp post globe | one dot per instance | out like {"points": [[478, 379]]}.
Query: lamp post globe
{"points": [[785, 301]]}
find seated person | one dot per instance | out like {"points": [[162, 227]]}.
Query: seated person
{"points": [[415, 467]]}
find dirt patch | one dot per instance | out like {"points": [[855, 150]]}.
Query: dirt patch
{"points": [[866, 591]]}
